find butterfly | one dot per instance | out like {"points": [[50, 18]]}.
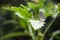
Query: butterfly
{"points": [[36, 24], [42, 16]]}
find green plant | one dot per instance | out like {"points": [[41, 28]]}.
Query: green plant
{"points": [[27, 17]]}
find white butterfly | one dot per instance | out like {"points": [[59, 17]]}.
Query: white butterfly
{"points": [[36, 24], [42, 17]]}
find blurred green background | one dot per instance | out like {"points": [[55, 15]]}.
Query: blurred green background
{"points": [[16, 16]]}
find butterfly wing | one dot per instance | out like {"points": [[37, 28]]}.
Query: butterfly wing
{"points": [[42, 17]]}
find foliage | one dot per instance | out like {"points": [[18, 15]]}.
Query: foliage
{"points": [[31, 12]]}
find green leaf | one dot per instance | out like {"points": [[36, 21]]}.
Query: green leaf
{"points": [[15, 34], [23, 11], [31, 5], [59, 7], [23, 23]]}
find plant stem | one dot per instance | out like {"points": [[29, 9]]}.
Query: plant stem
{"points": [[48, 26], [31, 32]]}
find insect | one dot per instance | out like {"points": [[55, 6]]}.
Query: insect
{"points": [[42, 16], [36, 24]]}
